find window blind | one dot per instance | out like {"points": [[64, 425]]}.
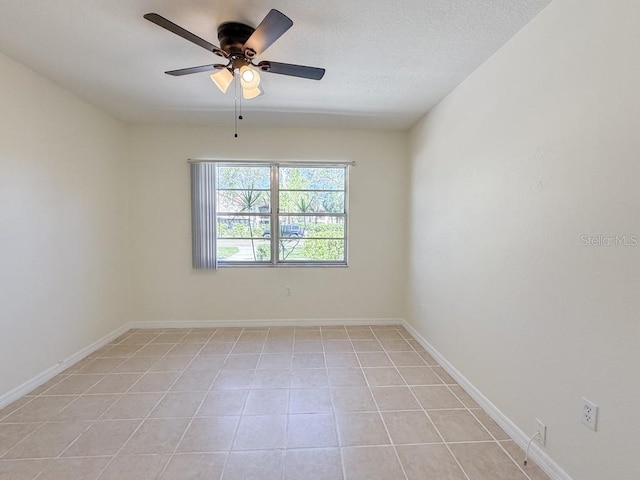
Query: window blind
{"points": [[203, 215]]}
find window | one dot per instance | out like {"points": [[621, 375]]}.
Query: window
{"points": [[274, 214]]}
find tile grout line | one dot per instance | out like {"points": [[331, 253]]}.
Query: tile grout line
{"points": [[244, 404], [195, 413], [50, 459], [88, 359], [333, 407], [31, 399], [422, 407], [145, 418], [425, 411], [90, 423], [494, 439], [470, 410], [124, 393], [286, 428], [500, 445], [42, 424], [286, 425], [384, 424]]}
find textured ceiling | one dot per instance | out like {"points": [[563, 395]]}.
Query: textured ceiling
{"points": [[387, 63]]}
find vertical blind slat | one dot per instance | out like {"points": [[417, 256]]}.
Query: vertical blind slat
{"points": [[203, 245]]}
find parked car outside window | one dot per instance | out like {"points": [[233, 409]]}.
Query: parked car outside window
{"points": [[286, 230]]}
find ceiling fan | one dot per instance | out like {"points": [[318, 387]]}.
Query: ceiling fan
{"points": [[240, 44]]}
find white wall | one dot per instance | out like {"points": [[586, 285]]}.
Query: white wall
{"points": [[167, 289], [62, 224], [537, 148]]}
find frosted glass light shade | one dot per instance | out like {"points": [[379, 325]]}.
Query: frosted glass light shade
{"points": [[222, 79], [249, 78], [249, 93]]}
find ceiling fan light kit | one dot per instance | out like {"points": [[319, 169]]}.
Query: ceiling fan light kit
{"points": [[249, 78], [222, 79], [248, 94]]}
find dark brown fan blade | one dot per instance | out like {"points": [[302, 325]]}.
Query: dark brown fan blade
{"points": [[270, 29], [301, 71], [187, 35], [201, 68]]}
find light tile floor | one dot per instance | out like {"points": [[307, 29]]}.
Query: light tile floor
{"points": [[312, 403]]}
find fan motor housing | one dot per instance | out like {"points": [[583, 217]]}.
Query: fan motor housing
{"points": [[233, 35]]}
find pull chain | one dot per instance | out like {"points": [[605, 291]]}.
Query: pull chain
{"points": [[235, 106]]}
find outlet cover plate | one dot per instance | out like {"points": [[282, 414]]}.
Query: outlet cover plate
{"points": [[589, 414]]}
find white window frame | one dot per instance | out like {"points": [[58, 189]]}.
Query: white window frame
{"points": [[275, 214]]}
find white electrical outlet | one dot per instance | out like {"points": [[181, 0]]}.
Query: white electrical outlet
{"points": [[589, 414], [542, 430]]}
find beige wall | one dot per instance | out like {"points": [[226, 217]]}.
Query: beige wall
{"points": [[539, 147], [167, 289], [536, 149], [62, 225]]}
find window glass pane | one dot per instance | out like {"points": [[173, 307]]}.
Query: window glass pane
{"points": [[311, 220], [312, 178], [290, 248], [293, 226], [311, 250], [325, 227], [243, 226], [311, 226], [249, 200], [242, 250], [311, 202], [244, 177], [311, 238]]}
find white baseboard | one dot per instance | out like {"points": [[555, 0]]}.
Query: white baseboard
{"points": [[314, 322], [48, 374], [539, 456]]}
